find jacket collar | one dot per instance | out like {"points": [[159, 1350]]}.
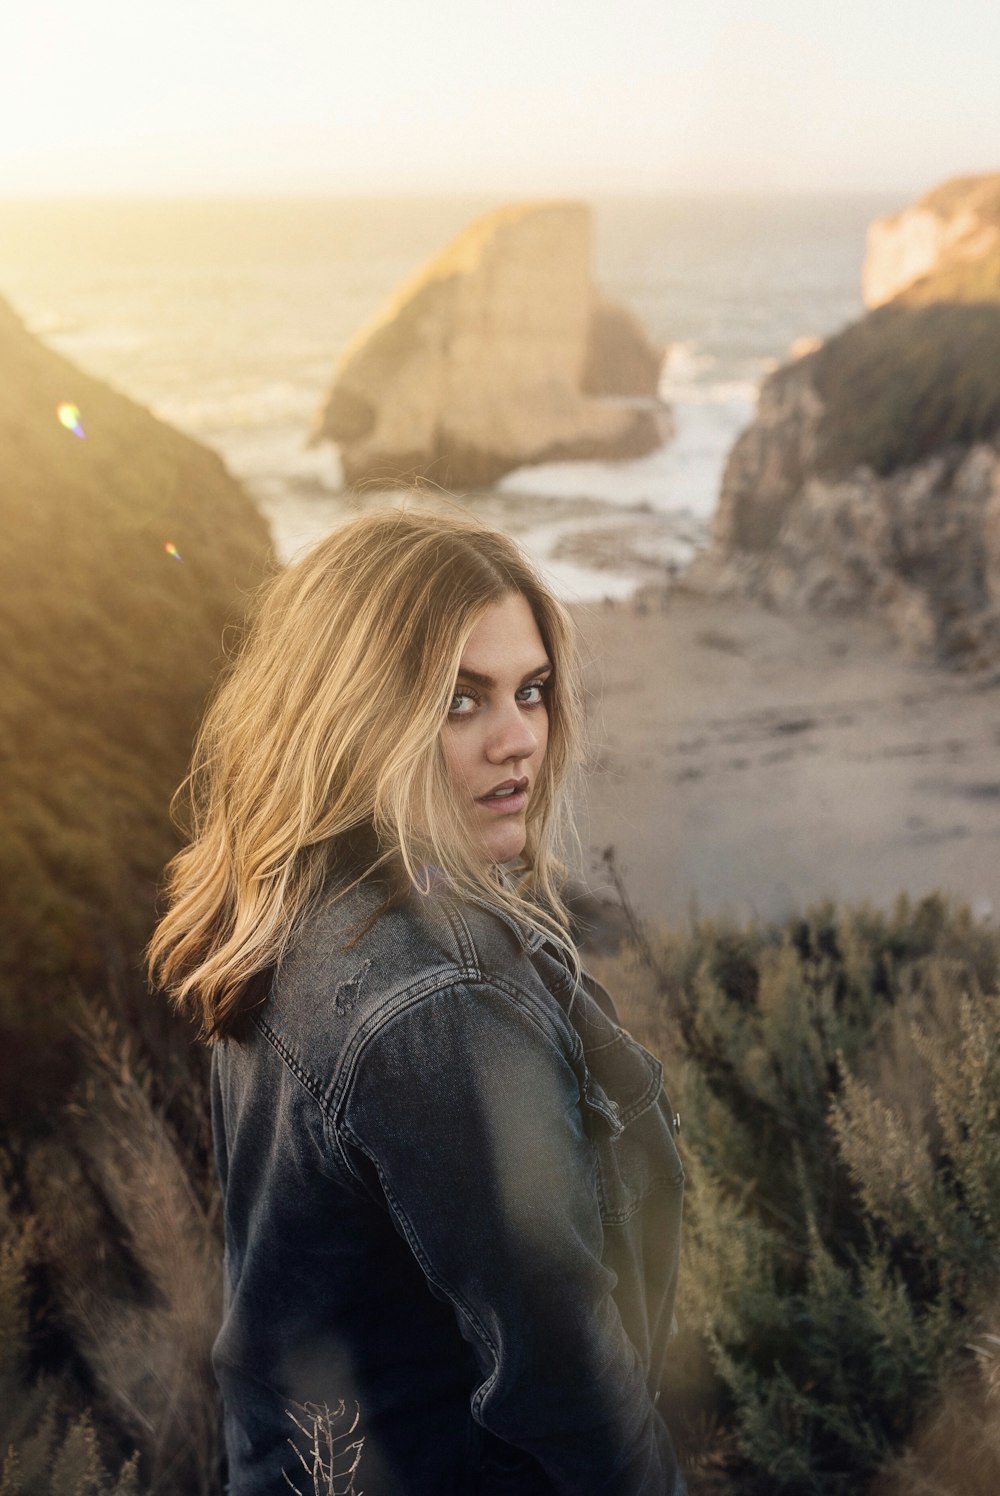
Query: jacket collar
{"points": [[527, 938]]}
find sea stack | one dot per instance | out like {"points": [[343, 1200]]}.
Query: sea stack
{"points": [[499, 352]]}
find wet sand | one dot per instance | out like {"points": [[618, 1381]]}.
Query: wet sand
{"points": [[752, 763]]}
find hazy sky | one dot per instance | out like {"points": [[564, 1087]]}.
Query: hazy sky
{"points": [[496, 95]]}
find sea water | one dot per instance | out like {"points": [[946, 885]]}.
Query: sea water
{"points": [[226, 318]]}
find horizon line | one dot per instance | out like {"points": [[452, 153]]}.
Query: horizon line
{"points": [[375, 194]]}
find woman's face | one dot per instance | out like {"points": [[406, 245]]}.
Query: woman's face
{"points": [[498, 724]]}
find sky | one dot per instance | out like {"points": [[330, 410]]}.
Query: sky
{"points": [[109, 97]]}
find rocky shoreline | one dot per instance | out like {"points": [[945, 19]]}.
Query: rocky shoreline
{"points": [[869, 480]]}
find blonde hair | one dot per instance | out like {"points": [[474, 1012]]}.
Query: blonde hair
{"points": [[320, 754]]}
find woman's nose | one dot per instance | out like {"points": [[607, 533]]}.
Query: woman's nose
{"points": [[512, 736]]}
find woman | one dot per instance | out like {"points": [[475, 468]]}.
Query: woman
{"points": [[452, 1197]]}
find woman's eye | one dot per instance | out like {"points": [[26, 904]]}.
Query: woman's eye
{"points": [[462, 695], [524, 695]]}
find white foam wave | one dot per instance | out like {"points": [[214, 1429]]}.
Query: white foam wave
{"points": [[80, 340], [242, 407]]}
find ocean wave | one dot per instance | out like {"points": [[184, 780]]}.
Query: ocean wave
{"points": [[223, 408]]}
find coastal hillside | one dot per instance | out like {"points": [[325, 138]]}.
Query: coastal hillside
{"points": [[869, 480], [128, 550]]}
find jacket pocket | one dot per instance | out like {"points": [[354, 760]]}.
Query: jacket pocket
{"points": [[629, 1119]]}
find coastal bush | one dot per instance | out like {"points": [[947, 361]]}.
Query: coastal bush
{"points": [[909, 380], [839, 1083]]}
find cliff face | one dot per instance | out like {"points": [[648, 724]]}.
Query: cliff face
{"points": [[499, 352], [127, 549], [869, 480], [953, 225], [920, 548]]}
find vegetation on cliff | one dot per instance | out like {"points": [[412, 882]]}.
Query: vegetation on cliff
{"points": [[127, 550], [867, 480], [919, 374], [912, 377]]}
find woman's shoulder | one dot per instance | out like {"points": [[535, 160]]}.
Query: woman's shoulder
{"points": [[362, 985], [355, 953]]}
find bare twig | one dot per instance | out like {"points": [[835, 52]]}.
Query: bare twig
{"points": [[323, 1451]]}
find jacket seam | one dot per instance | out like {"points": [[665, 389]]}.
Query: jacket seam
{"points": [[433, 1276], [621, 1217], [505, 989], [648, 1097], [387, 1010], [462, 934], [311, 1090], [302, 1076], [605, 1044]]}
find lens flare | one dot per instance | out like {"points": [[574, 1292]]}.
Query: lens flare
{"points": [[172, 550], [69, 416]]}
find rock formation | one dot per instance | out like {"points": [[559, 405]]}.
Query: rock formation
{"points": [[956, 223], [499, 352], [869, 480], [127, 549]]}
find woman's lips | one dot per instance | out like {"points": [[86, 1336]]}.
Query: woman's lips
{"points": [[507, 804]]}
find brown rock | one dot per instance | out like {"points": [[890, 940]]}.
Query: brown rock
{"points": [[956, 223], [769, 462], [621, 359], [497, 353], [869, 480]]}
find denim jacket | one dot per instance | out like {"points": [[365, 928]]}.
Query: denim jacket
{"points": [[452, 1201]]}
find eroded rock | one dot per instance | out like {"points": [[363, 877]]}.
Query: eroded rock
{"points": [[954, 224], [499, 352], [869, 480]]}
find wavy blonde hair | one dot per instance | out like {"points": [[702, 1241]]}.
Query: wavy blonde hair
{"points": [[320, 755]]}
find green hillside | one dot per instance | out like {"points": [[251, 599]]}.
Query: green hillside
{"points": [[108, 643], [914, 376]]}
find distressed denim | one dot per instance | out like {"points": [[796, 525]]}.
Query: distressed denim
{"points": [[453, 1203]]}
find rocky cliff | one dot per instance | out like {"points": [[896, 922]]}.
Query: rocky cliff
{"points": [[127, 550], [956, 224], [870, 478], [499, 352]]}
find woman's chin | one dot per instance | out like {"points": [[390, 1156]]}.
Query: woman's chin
{"points": [[505, 842]]}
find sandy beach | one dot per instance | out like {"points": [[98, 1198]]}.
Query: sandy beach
{"points": [[752, 763]]}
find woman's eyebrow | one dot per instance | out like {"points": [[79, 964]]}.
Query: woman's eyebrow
{"points": [[488, 683]]}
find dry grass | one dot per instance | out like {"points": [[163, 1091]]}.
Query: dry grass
{"points": [[135, 1262]]}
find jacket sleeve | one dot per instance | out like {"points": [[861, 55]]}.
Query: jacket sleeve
{"points": [[471, 1113]]}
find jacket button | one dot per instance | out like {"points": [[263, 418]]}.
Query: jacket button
{"points": [[677, 1121]]}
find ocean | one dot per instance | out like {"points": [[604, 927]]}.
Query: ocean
{"points": [[226, 317]]}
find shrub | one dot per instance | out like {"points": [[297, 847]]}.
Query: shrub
{"points": [[840, 1094], [907, 381]]}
